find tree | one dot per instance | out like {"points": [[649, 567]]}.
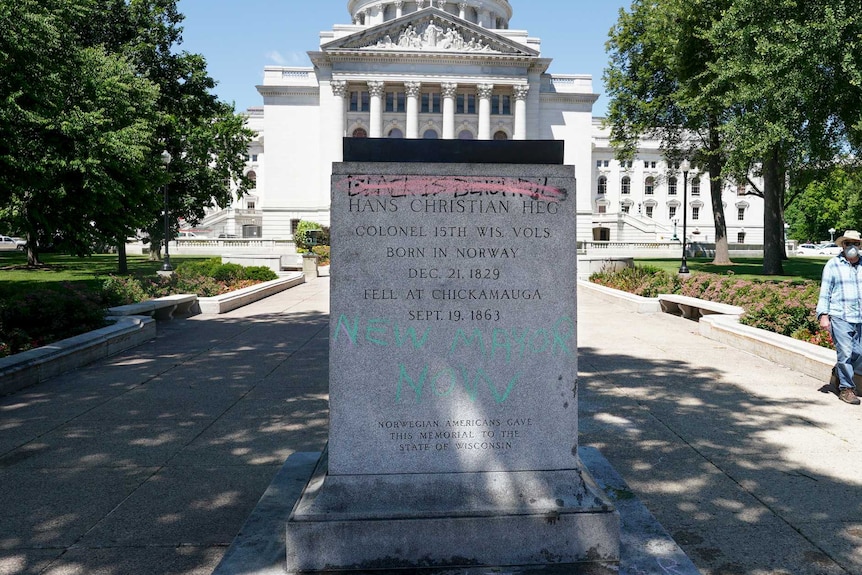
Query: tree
{"points": [[75, 126], [775, 88], [789, 71], [91, 93], [205, 137], [827, 201], [659, 60]]}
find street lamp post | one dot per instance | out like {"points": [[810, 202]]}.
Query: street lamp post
{"points": [[685, 166], [675, 238], [166, 266], [831, 235]]}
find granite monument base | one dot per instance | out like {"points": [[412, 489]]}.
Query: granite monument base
{"points": [[532, 521]]}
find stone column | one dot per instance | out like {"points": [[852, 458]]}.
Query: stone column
{"points": [[462, 10], [399, 8], [339, 90], [449, 91], [521, 112], [375, 90], [413, 90], [485, 91], [420, 4]]}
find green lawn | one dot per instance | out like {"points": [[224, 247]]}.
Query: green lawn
{"points": [[795, 268], [86, 273]]}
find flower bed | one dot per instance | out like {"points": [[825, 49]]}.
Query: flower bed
{"points": [[781, 306]]}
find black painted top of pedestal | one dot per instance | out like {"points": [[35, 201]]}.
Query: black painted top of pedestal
{"points": [[453, 151]]}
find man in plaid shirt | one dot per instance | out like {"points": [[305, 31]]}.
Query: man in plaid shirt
{"points": [[839, 310]]}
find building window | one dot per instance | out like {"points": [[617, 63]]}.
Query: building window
{"points": [[649, 211], [254, 157], [501, 105], [740, 214], [395, 102], [395, 133], [626, 185], [465, 104], [671, 212], [249, 204], [627, 165], [649, 165], [625, 208], [671, 186], [603, 209], [360, 101], [695, 213], [649, 186], [430, 102], [360, 133], [430, 135], [465, 135], [500, 135], [695, 187], [740, 238], [602, 187]]}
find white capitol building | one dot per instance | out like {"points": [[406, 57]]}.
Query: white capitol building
{"points": [[455, 69]]}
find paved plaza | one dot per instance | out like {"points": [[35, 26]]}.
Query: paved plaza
{"points": [[149, 462]]}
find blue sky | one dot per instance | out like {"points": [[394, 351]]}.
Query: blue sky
{"points": [[239, 37]]}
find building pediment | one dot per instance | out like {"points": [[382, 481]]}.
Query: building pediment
{"points": [[429, 30]]}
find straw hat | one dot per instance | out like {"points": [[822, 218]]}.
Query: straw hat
{"points": [[849, 235]]}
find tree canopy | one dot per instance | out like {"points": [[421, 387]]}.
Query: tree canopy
{"points": [[770, 88], [659, 61], [91, 93]]}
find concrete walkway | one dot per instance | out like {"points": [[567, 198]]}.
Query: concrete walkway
{"points": [[150, 462]]}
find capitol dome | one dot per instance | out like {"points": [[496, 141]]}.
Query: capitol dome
{"points": [[492, 14]]}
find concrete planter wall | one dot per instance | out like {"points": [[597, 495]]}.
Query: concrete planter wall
{"points": [[31, 367], [230, 301], [807, 358]]}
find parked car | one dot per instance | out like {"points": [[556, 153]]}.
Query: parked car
{"points": [[223, 236], [8, 244], [830, 249], [184, 234], [808, 250]]}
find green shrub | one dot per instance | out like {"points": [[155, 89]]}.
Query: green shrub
{"points": [[203, 286], [302, 238], [122, 290], [228, 273], [259, 274], [198, 267], [45, 316], [646, 281]]}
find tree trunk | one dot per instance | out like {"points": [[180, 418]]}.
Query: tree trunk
{"points": [[122, 261], [32, 252], [722, 250], [773, 225]]}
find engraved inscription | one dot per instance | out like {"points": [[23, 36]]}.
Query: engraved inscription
{"points": [[464, 317]]}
